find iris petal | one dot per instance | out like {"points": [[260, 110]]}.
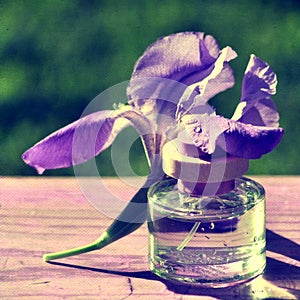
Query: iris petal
{"points": [[176, 57], [262, 112], [251, 142], [82, 139], [235, 138], [187, 58], [259, 80], [204, 130], [220, 83], [256, 106]]}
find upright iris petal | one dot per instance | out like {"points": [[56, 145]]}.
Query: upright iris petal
{"points": [[259, 81], [175, 62], [256, 107]]}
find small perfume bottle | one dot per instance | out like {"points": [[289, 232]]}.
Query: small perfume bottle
{"points": [[206, 222]]}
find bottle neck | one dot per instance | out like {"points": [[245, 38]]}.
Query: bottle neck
{"points": [[205, 188]]}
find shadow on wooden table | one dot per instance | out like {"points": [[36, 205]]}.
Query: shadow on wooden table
{"points": [[283, 274], [279, 244]]}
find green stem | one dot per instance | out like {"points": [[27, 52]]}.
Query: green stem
{"points": [[98, 244], [188, 237]]}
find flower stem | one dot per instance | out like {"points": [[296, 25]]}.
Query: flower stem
{"points": [[98, 244], [188, 237]]}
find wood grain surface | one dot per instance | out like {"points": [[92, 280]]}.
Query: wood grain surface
{"points": [[43, 214]]}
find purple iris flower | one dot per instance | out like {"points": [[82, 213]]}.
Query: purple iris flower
{"points": [[171, 81], [168, 91]]}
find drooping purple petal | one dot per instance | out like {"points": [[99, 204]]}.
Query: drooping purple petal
{"points": [[235, 138], [251, 142], [256, 106], [262, 112], [187, 58], [82, 139]]}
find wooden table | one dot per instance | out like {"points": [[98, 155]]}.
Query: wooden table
{"points": [[42, 214]]}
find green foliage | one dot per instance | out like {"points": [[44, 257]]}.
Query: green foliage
{"points": [[56, 56]]}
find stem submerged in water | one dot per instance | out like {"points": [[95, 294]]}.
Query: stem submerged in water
{"points": [[188, 237]]}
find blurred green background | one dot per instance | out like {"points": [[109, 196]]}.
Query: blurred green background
{"points": [[56, 56]]}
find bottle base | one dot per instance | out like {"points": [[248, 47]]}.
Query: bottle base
{"points": [[212, 275]]}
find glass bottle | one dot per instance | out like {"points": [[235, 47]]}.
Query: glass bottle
{"points": [[210, 234]]}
